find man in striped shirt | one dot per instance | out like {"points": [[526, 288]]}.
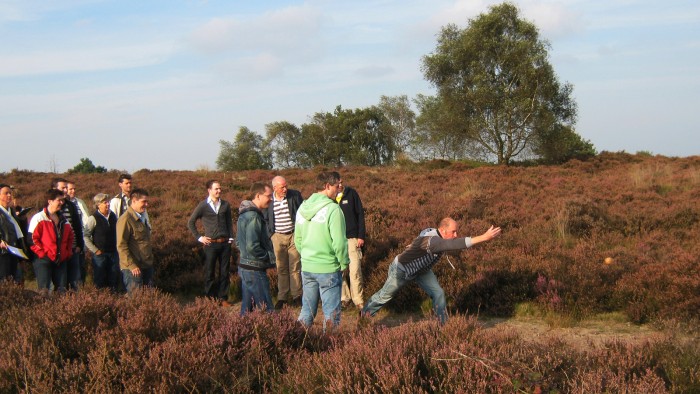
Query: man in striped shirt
{"points": [[280, 216], [416, 262]]}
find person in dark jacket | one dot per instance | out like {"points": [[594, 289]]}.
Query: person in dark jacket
{"points": [[256, 252], [11, 234], [280, 216], [354, 213], [52, 243], [72, 214], [215, 215], [100, 235]]}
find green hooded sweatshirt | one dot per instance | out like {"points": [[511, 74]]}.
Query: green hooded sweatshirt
{"points": [[319, 236]]}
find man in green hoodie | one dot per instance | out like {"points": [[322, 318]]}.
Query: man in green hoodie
{"points": [[319, 235]]}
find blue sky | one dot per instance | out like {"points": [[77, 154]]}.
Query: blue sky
{"points": [[156, 84]]}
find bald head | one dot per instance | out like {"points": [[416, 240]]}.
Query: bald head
{"points": [[279, 187], [448, 228]]}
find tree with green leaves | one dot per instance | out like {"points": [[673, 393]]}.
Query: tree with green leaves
{"points": [[246, 152], [283, 139], [401, 121], [360, 136], [439, 134], [495, 79], [85, 166]]}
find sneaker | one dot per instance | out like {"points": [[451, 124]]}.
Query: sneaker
{"points": [[280, 304]]}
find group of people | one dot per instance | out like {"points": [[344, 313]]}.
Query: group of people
{"points": [[116, 232], [314, 245], [278, 230]]}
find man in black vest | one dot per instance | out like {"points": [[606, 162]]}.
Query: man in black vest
{"points": [[101, 239]]}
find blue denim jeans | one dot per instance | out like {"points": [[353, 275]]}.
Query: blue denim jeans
{"points": [[73, 272], [328, 287], [396, 279], [47, 272], [105, 270], [255, 291], [132, 282]]}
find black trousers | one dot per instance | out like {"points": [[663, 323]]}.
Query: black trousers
{"points": [[217, 287], [8, 266]]}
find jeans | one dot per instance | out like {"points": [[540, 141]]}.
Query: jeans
{"points": [[328, 287], [217, 288], [105, 270], [48, 272], [396, 279], [132, 282], [255, 291], [73, 272]]}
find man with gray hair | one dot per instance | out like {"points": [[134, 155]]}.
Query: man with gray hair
{"points": [[280, 216], [100, 235]]}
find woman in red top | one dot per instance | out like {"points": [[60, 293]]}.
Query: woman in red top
{"points": [[52, 242]]}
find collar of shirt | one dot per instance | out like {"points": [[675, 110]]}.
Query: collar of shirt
{"points": [[214, 205]]}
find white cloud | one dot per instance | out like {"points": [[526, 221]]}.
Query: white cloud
{"points": [[286, 30], [85, 59]]}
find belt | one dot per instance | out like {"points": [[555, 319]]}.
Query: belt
{"points": [[284, 233], [219, 240]]}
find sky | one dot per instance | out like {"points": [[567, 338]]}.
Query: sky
{"points": [[156, 84]]}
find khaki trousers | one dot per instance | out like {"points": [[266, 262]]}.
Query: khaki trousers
{"points": [[354, 290], [288, 266]]}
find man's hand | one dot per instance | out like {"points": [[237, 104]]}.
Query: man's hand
{"points": [[490, 234], [205, 240], [136, 272], [99, 252], [3, 245], [360, 242]]}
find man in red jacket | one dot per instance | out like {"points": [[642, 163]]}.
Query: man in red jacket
{"points": [[52, 242]]}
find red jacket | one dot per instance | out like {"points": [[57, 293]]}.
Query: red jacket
{"points": [[44, 237]]}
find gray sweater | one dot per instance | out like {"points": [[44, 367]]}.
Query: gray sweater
{"points": [[425, 251], [215, 225]]}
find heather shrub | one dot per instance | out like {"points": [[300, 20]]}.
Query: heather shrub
{"points": [[558, 222], [462, 357]]}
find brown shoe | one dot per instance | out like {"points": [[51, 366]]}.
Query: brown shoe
{"points": [[296, 301], [280, 304], [345, 304], [226, 304]]}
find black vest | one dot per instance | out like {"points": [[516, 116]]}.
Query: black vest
{"points": [[105, 234]]}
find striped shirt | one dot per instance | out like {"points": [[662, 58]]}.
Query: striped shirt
{"points": [[426, 250], [283, 222]]}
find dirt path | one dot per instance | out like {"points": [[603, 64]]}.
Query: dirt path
{"points": [[583, 335]]}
